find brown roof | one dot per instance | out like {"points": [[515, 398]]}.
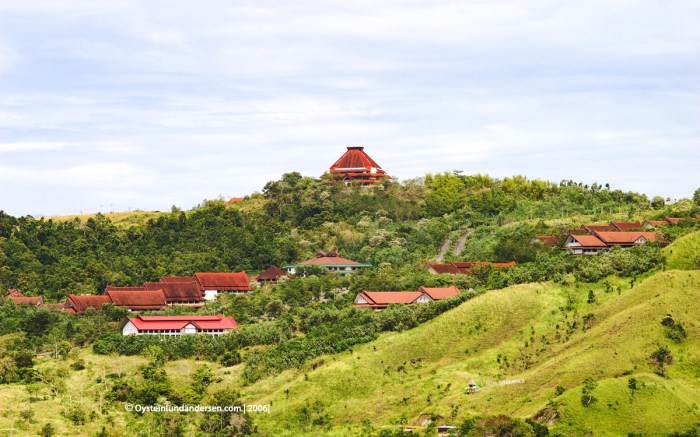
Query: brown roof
{"points": [[177, 291], [179, 279], [271, 274], [80, 302], [117, 288], [224, 281], [382, 299], [356, 163], [12, 292], [590, 241], [673, 219], [656, 222], [625, 226], [599, 228], [625, 237], [26, 300], [547, 239], [437, 293], [328, 261], [464, 267], [138, 299]]}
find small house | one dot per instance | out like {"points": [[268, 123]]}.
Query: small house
{"points": [[584, 245], [79, 303], [331, 261], [15, 296], [271, 275]]}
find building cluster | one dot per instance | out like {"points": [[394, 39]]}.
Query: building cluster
{"points": [[595, 239]]}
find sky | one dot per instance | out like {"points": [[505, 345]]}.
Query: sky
{"points": [[117, 105]]}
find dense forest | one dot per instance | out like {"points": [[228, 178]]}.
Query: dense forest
{"points": [[396, 227]]}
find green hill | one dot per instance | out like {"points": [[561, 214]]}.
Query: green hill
{"points": [[684, 253], [406, 378]]}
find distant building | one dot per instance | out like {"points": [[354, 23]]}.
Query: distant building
{"points": [[544, 239], [462, 267], [214, 283], [15, 296], [79, 303], [329, 260], [271, 275], [626, 226], [179, 293], [356, 166], [379, 300], [137, 298], [178, 325], [603, 241], [584, 245]]}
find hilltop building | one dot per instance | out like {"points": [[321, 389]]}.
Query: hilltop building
{"points": [[356, 166]]}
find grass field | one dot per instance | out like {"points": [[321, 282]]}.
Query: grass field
{"points": [[409, 378], [684, 253]]}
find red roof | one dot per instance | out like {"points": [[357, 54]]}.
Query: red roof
{"points": [[271, 274], [624, 226], [179, 279], [437, 293], [178, 322], [356, 164], [224, 281], [382, 299], [138, 299], [673, 219], [235, 200], [26, 300], [657, 222], [589, 241], [599, 228], [548, 240], [328, 261], [116, 288], [79, 303], [625, 237], [177, 291], [464, 267]]}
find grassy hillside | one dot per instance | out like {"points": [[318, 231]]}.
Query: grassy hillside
{"points": [[406, 378], [684, 253]]}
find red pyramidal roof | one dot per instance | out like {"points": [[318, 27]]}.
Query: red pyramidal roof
{"points": [[355, 164]]}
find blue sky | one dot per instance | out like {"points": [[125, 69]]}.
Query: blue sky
{"points": [[120, 104]]}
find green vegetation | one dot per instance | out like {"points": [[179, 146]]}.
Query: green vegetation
{"points": [[588, 340]]}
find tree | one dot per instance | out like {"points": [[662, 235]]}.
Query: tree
{"points": [[660, 358], [589, 384], [696, 197], [658, 202]]}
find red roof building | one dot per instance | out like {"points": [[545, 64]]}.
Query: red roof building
{"points": [[179, 279], [584, 245], [15, 296], [626, 226], [80, 303], [382, 299], [271, 275], [626, 239], [179, 293], [329, 260], [437, 293], [379, 300], [599, 228], [356, 165], [463, 267], [673, 219], [544, 239], [215, 282], [178, 325], [654, 223], [137, 300]]}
